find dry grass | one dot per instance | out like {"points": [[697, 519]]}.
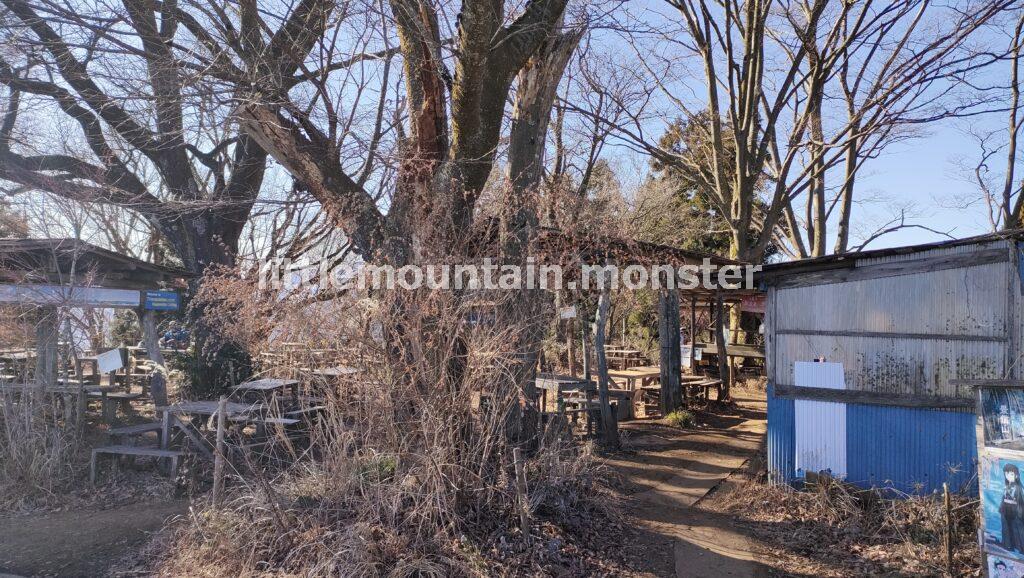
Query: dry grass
{"points": [[832, 529], [410, 470], [37, 451]]}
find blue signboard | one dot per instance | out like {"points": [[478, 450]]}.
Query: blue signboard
{"points": [[161, 301]]}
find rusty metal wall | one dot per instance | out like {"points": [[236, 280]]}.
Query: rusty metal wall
{"points": [[938, 326], [958, 323]]}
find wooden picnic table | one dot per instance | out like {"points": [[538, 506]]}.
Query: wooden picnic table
{"points": [[623, 357], [645, 374], [705, 384], [268, 385], [193, 410], [557, 384], [15, 356]]}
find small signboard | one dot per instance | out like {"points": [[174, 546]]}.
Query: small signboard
{"points": [[109, 361], [753, 303], [568, 313], [69, 296], [161, 301], [1000, 435]]}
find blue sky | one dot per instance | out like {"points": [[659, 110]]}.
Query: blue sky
{"points": [[921, 171]]}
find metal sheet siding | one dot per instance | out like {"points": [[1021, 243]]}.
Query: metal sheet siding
{"points": [[894, 365], [967, 313], [912, 450], [969, 301], [781, 439], [956, 250]]}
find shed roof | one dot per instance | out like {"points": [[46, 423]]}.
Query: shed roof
{"points": [[62, 261], [849, 259]]}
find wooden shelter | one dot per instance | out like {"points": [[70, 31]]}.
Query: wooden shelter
{"points": [[570, 250], [53, 273]]}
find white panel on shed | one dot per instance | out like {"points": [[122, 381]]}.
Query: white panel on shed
{"points": [[820, 425]]}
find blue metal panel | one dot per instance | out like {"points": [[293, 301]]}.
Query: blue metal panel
{"points": [[781, 439], [912, 450]]}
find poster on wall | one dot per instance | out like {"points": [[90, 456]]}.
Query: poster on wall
{"points": [[1002, 503], [1000, 435], [109, 361], [1002, 567], [1003, 417]]}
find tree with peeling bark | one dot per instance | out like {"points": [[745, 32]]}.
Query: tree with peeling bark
{"points": [[143, 83], [454, 134]]}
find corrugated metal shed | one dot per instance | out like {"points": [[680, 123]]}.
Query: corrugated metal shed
{"points": [[904, 323]]}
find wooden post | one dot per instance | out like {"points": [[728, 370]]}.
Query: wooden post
{"points": [[949, 528], [668, 340], [586, 352], [693, 335], [609, 427], [47, 334], [158, 380], [524, 504], [218, 458], [570, 344], [723, 365]]}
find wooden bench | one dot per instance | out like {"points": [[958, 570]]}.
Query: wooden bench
{"points": [[281, 423], [116, 433], [111, 399], [705, 385], [120, 450], [306, 413]]}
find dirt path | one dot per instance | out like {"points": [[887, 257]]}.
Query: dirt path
{"points": [[670, 470], [78, 543]]}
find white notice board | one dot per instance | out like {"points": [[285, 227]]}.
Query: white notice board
{"points": [[820, 425], [109, 361]]}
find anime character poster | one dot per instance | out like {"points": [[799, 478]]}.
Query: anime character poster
{"points": [[1003, 567], [1003, 506], [1003, 413]]}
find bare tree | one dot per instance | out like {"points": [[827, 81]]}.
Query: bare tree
{"points": [[144, 83], [1000, 191], [773, 73]]}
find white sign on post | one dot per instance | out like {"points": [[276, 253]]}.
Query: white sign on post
{"points": [[568, 313], [109, 361]]}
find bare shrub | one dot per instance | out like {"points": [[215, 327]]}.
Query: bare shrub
{"points": [[831, 525], [409, 470], [37, 448]]}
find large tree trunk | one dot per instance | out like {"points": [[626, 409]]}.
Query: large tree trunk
{"points": [[535, 96], [204, 242], [47, 336], [158, 381]]}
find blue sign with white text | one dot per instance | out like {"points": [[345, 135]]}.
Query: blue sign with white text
{"points": [[161, 301]]}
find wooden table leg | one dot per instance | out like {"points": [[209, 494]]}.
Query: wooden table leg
{"points": [[165, 430]]}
